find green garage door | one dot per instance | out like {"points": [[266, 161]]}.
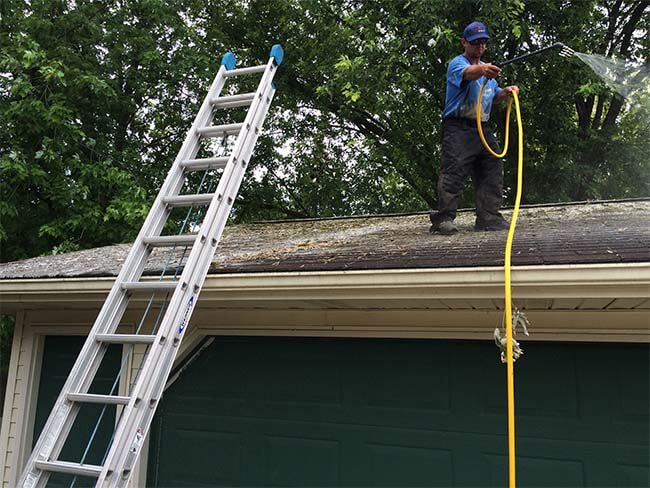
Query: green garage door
{"points": [[330, 412]]}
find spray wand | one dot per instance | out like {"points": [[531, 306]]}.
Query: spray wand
{"points": [[565, 52]]}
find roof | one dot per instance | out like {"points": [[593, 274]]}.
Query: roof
{"points": [[585, 233]]}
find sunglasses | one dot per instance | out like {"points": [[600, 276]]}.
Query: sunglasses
{"points": [[476, 42]]}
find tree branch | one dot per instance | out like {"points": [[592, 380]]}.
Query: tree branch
{"points": [[626, 39], [630, 26], [599, 113], [612, 15]]}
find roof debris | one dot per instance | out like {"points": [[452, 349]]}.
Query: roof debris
{"points": [[604, 232]]}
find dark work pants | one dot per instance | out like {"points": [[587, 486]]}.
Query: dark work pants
{"points": [[463, 155]]}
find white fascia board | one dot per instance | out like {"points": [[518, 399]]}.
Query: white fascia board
{"points": [[462, 282], [600, 280]]}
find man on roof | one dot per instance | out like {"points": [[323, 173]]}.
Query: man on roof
{"points": [[463, 153]]}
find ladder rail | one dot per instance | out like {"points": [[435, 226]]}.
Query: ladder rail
{"points": [[63, 414], [148, 389]]}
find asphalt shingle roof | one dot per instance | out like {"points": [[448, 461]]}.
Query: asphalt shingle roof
{"points": [[604, 232]]}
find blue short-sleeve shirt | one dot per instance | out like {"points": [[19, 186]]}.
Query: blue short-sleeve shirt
{"points": [[462, 95]]}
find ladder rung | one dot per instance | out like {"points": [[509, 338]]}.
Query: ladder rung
{"points": [[150, 285], [103, 399], [170, 241], [231, 101], [245, 71], [125, 338], [234, 104], [206, 163], [189, 200], [70, 468], [220, 130]]}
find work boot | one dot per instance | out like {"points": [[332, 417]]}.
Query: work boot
{"points": [[498, 223], [446, 227]]}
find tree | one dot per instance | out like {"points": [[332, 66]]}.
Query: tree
{"points": [[96, 97], [600, 158], [375, 71], [84, 143]]}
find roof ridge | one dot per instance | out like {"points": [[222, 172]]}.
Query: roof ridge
{"points": [[461, 210]]}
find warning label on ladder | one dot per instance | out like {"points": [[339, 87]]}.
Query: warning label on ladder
{"points": [[186, 314]]}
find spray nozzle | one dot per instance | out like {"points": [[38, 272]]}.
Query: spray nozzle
{"points": [[565, 51]]}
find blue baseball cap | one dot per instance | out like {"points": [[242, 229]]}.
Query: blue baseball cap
{"points": [[475, 30]]}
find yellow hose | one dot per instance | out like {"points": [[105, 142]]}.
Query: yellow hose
{"points": [[508, 256]]}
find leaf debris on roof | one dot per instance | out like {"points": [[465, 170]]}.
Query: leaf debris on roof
{"points": [[604, 232]]}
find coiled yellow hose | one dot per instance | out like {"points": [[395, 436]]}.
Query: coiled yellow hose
{"points": [[508, 256]]}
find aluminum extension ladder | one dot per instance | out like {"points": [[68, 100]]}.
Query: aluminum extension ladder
{"points": [[139, 407]]}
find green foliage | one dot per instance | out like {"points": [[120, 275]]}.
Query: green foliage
{"points": [[82, 147], [96, 97]]}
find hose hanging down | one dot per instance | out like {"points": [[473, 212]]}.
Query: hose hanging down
{"points": [[508, 256]]}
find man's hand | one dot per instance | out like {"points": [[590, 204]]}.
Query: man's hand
{"points": [[475, 71], [490, 70], [505, 93]]}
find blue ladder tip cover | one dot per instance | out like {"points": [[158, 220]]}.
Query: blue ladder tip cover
{"points": [[278, 53], [229, 60]]}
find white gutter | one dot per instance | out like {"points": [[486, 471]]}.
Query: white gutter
{"points": [[586, 281]]}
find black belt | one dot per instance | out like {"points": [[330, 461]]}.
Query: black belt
{"points": [[462, 121]]}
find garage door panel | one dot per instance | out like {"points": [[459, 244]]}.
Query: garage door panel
{"points": [[550, 463], [205, 453], [602, 398], [631, 400], [546, 384], [537, 471], [399, 376], [594, 430], [623, 455], [358, 454], [398, 465], [301, 461], [202, 405], [295, 375], [601, 461], [296, 453], [223, 374], [424, 458], [559, 396], [610, 378], [632, 475], [328, 412]]}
